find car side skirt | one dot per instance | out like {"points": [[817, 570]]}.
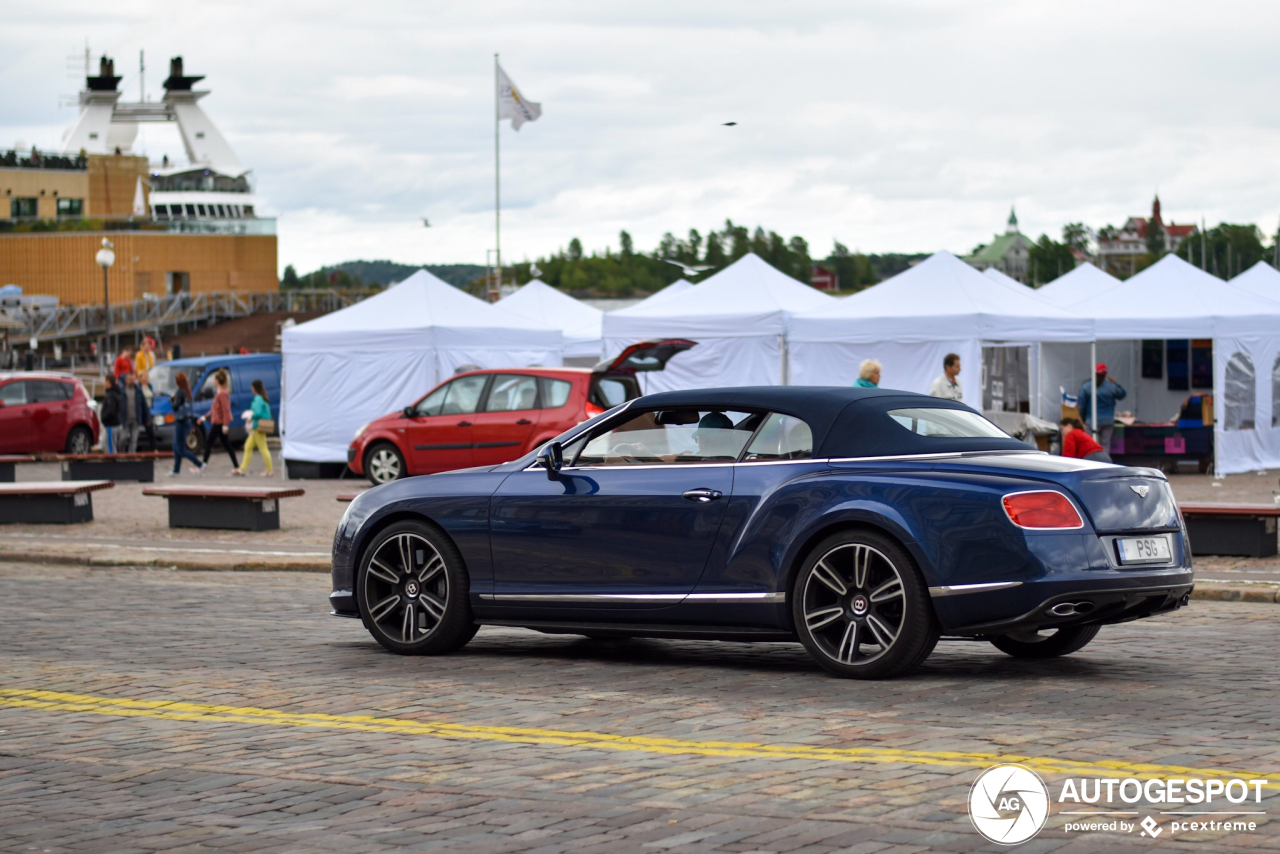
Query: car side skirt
{"points": [[648, 630]]}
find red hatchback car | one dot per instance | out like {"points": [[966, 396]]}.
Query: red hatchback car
{"points": [[45, 412], [493, 416]]}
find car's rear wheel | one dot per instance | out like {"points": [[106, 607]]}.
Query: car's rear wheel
{"points": [[79, 440], [1046, 644], [861, 607], [195, 440], [412, 591], [384, 463]]}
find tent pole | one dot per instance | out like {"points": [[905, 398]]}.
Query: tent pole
{"points": [[1093, 388], [786, 367]]}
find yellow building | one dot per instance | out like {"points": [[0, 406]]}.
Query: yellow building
{"points": [[188, 228]]}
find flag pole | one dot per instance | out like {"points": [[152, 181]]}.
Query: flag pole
{"points": [[497, 191]]}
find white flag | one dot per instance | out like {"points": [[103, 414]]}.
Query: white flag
{"points": [[512, 105], [139, 200]]}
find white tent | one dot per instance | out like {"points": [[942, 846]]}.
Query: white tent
{"points": [[738, 317], [1171, 299], [1008, 281], [679, 286], [1082, 283], [379, 355], [1261, 280], [911, 321], [544, 305]]}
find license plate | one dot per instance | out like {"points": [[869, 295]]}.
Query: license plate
{"points": [[1144, 550], [158, 420]]}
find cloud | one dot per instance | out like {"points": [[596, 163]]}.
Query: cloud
{"points": [[891, 126]]}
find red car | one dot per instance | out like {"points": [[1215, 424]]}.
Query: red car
{"points": [[45, 412], [489, 417]]}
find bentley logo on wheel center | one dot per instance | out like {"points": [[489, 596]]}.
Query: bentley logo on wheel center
{"points": [[1008, 804]]}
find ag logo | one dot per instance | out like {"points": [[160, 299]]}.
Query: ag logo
{"points": [[1008, 804]]}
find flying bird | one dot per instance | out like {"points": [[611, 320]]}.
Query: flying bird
{"points": [[534, 272], [729, 124], [689, 270]]}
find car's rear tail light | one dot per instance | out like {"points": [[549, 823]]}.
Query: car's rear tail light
{"points": [[1047, 509], [593, 410]]}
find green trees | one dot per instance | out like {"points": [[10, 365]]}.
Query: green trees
{"points": [[1226, 250], [1051, 259]]}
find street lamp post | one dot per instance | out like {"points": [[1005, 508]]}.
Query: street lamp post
{"points": [[106, 257]]}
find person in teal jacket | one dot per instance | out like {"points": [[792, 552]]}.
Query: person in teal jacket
{"points": [[868, 374], [261, 411]]}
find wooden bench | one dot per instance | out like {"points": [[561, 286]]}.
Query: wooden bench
{"points": [[239, 508], [351, 496], [139, 466], [49, 502], [1246, 530], [8, 462]]}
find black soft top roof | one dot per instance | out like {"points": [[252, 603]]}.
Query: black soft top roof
{"points": [[846, 422]]}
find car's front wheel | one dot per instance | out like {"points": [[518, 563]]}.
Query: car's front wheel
{"points": [[861, 607], [1047, 644], [384, 463], [412, 591]]}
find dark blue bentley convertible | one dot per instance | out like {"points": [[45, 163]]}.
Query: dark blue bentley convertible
{"points": [[864, 523]]}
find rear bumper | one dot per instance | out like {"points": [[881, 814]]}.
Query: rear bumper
{"points": [[343, 603], [1059, 605]]}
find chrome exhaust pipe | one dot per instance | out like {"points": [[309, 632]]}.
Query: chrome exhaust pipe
{"points": [[1063, 609]]}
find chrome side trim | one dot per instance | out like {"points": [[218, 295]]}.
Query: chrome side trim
{"points": [[958, 589], [888, 458], [635, 597], [736, 597], [938, 456]]}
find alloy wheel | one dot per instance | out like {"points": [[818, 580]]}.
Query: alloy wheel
{"points": [[406, 588], [384, 465], [853, 604]]}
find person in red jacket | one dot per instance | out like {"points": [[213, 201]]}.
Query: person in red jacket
{"points": [[1076, 442], [219, 418], [123, 363]]}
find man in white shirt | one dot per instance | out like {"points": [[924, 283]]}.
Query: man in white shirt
{"points": [[947, 386]]}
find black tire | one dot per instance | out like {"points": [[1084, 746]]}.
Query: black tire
{"points": [[859, 589], [384, 463], [79, 440], [195, 440], [426, 611], [1055, 643]]}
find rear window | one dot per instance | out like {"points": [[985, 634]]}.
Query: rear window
{"points": [[947, 423], [608, 392], [162, 376], [555, 393]]}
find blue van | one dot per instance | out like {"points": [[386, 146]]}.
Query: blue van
{"points": [[243, 370]]}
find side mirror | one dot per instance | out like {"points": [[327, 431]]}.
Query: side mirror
{"points": [[551, 459], [407, 412]]}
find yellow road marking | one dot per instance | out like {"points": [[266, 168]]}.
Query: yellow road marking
{"points": [[207, 713]]}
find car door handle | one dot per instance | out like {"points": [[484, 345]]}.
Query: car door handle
{"points": [[524, 421], [703, 495], [464, 423]]}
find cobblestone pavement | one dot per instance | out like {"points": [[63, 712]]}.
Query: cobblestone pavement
{"points": [[144, 709]]}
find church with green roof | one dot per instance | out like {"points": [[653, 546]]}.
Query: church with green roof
{"points": [[1010, 253]]}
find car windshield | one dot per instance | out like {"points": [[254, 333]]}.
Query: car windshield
{"points": [[948, 423], [162, 376]]}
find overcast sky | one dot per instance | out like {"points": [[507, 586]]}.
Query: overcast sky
{"points": [[890, 126]]}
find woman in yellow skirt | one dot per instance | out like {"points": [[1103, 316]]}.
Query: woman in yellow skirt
{"points": [[257, 435]]}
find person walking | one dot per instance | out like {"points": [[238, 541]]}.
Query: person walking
{"points": [[260, 411], [134, 414], [1077, 443], [219, 418], [123, 363], [148, 395], [110, 413], [183, 415], [947, 386], [146, 358], [1109, 391], [868, 374]]}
